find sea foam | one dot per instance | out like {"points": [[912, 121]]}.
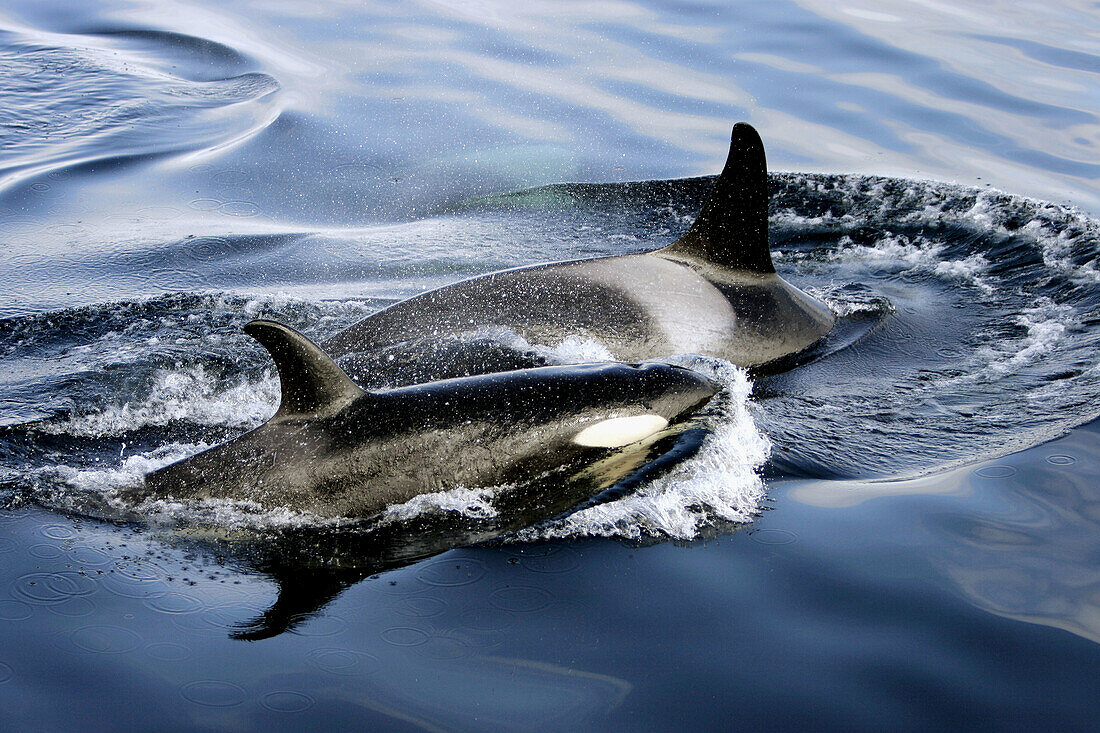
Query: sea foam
{"points": [[190, 394], [721, 482]]}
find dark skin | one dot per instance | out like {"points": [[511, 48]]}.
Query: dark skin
{"points": [[337, 451]]}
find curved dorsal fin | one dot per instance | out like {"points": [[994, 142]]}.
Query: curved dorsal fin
{"points": [[732, 228], [311, 382]]}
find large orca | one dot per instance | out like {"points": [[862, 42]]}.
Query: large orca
{"points": [[335, 450], [713, 292]]}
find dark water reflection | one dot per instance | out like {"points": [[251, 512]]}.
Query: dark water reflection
{"points": [[802, 620], [1016, 536]]}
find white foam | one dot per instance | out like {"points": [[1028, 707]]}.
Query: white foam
{"points": [[1057, 250], [684, 219], [847, 308], [474, 503], [575, 350], [845, 304], [1056, 230], [128, 473], [225, 514], [898, 252], [572, 349], [191, 394], [722, 481], [1046, 325], [108, 482]]}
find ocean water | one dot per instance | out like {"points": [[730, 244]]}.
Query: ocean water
{"points": [[903, 533]]}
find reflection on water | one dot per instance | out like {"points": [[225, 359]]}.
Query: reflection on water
{"points": [[817, 614], [425, 650], [440, 101], [1017, 536], [1032, 554], [84, 99]]}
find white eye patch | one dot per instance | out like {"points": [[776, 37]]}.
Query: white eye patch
{"points": [[616, 432]]}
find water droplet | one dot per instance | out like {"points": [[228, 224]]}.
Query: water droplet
{"points": [[561, 560], [175, 603], [44, 551], [520, 599], [105, 639], [214, 693], [404, 636], [486, 619], [89, 556], [205, 204], [451, 572], [126, 587], [422, 607], [996, 471], [15, 611], [239, 208], [343, 661], [773, 536], [142, 571], [287, 701], [205, 249], [231, 177], [73, 607], [159, 212], [444, 647], [327, 625], [167, 651], [57, 532], [52, 587], [209, 619]]}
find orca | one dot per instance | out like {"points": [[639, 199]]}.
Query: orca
{"points": [[475, 414], [713, 292], [337, 451]]}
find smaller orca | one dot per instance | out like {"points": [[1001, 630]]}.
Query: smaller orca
{"points": [[337, 451]]}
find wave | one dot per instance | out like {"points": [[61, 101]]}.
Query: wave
{"points": [[109, 102]]}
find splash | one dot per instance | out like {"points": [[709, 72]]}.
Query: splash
{"points": [[902, 254], [191, 394], [474, 503], [573, 349], [1045, 327], [722, 482]]}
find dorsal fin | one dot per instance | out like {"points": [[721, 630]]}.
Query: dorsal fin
{"points": [[732, 228], [311, 382]]}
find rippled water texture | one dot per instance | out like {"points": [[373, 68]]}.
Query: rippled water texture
{"points": [[900, 534]]}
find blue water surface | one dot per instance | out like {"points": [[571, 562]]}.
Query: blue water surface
{"points": [[904, 535]]}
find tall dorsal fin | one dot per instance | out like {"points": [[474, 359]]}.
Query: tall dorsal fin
{"points": [[311, 382], [732, 228]]}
